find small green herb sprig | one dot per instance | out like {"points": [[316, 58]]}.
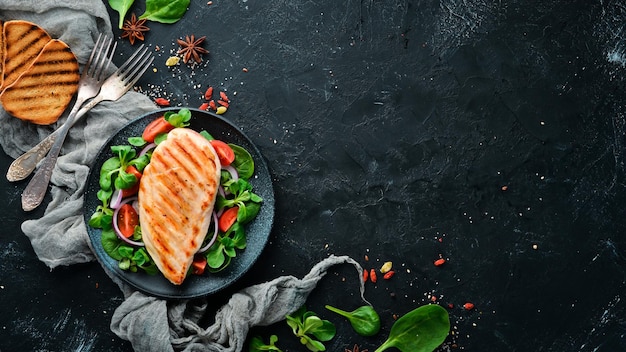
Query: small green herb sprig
{"points": [[164, 11], [311, 329], [257, 344]]}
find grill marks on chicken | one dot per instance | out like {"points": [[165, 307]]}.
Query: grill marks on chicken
{"points": [[176, 198]]}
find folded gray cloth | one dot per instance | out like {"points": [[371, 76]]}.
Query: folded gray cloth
{"points": [[60, 237]]}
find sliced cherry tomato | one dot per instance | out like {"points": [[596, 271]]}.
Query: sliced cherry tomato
{"points": [[198, 265], [130, 191], [228, 218], [130, 169], [127, 219], [224, 152], [155, 128]]}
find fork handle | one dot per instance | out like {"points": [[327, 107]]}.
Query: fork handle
{"points": [[37, 188], [26, 163]]}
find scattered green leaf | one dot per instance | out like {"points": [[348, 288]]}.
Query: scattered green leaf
{"points": [[364, 320], [311, 329], [420, 330], [257, 344], [121, 6], [165, 11]]}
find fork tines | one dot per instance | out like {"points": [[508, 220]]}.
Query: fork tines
{"points": [[135, 66], [100, 58]]}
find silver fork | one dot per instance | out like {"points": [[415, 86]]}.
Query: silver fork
{"points": [[24, 165], [113, 88], [90, 81]]}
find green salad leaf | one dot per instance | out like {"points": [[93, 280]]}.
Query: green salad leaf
{"points": [[364, 320], [257, 344], [311, 329], [165, 11], [122, 7], [243, 161], [420, 330]]}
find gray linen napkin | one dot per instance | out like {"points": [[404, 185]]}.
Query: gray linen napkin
{"points": [[60, 237]]}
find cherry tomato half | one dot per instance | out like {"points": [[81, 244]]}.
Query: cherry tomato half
{"points": [[198, 265], [130, 191], [228, 218], [155, 128], [224, 152], [127, 219]]}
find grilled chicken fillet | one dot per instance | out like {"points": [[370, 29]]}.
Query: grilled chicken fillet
{"points": [[176, 198]]}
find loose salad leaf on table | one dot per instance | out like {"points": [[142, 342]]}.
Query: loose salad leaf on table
{"points": [[164, 11], [420, 330]]}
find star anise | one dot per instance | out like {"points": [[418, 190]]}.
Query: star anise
{"points": [[355, 349], [134, 29], [191, 48]]}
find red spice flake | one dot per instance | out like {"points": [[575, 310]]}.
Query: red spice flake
{"points": [[504, 188], [433, 298], [212, 105], [162, 102], [388, 275], [367, 258], [450, 305], [366, 275], [440, 262], [204, 106], [224, 97], [222, 103], [395, 316], [245, 69], [209, 93], [373, 277], [468, 306]]}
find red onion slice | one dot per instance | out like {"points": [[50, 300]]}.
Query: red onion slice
{"points": [[208, 245], [232, 171], [147, 148], [116, 199], [116, 227]]}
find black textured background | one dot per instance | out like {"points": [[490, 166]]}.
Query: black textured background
{"points": [[490, 133]]}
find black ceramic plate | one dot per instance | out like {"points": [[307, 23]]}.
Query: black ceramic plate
{"points": [[257, 231]]}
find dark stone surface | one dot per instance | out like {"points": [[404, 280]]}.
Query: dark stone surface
{"points": [[488, 133]]}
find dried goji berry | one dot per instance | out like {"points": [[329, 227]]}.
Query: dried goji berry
{"points": [[365, 275], [224, 96], [468, 306], [222, 103], [162, 102], [373, 275], [212, 105], [388, 275], [439, 262], [209, 93], [204, 106]]}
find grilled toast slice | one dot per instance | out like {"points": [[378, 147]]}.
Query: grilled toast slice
{"points": [[23, 41], [45, 89], [177, 194]]}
